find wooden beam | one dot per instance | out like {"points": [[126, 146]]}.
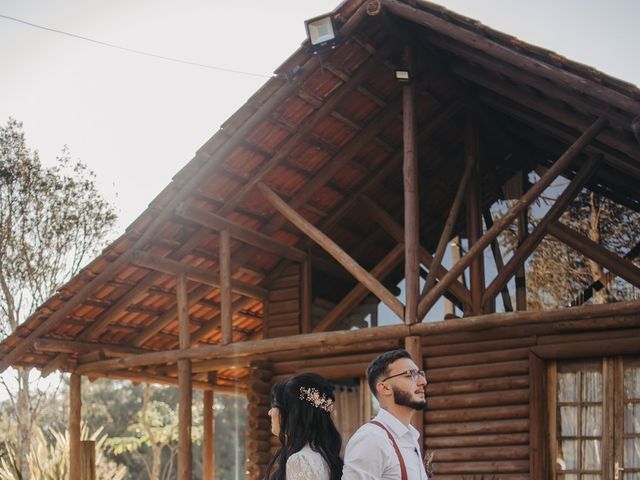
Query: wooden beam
{"points": [[216, 321], [239, 232], [389, 224], [144, 377], [452, 218], [334, 250], [363, 336], [427, 301], [601, 283], [535, 237], [75, 419], [226, 316], [576, 100], [623, 268], [519, 60], [542, 124], [497, 257], [474, 218], [359, 292], [411, 199], [172, 267], [305, 296], [72, 346], [207, 436], [184, 383], [169, 316], [533, 102]]}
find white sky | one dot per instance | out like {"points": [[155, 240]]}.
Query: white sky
{"points": [[137, 120]]}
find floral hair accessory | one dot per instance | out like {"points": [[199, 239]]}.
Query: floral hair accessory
{"points": [[315, 398]]}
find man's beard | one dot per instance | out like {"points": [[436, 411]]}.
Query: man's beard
{"points": [[404, 398]]}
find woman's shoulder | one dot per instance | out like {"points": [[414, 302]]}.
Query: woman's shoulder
{"points": [[306, 464]]}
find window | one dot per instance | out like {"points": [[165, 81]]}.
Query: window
{"points": [[594, 419]]}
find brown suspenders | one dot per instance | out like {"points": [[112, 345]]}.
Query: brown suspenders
{"points": [[403, 468]]}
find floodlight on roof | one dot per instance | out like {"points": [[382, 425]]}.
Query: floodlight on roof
{"points": [[322, 33]]}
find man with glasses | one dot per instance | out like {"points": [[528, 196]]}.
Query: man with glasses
{"points": [[387, 448]]}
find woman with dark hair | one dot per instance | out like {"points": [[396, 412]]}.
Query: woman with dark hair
{"points": [[301, 419]]}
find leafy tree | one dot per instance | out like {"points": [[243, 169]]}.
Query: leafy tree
{"points": [[556, 274], [154, 436], [52, 220], [49, 457]]}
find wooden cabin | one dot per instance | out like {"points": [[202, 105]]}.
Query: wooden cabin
{"points": [[340, 182]]}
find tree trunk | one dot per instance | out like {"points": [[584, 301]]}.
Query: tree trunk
{"points": [[25, 422], [597, 272]]}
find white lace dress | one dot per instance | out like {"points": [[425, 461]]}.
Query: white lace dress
{"points": [[307, 465]]}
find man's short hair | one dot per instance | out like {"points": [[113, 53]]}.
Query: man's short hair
{"points": [[379, 367]]}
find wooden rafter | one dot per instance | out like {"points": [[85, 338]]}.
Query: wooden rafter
{"points": [[172, 267], [334, 250], [391, 226], [534, 238], [237, 231], [622, 267], [519, 60], [427, 301], [575, 121], [359, 292], [497, 257], [447, 230]]}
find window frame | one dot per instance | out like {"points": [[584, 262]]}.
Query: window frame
{"points": [[542, 392]]}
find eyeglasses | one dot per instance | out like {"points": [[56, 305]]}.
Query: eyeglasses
{"points": [[415, 375]]}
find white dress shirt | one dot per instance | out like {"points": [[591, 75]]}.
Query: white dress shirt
{"points": [[370, 454]]}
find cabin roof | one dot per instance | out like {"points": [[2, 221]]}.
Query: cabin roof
{"points": [[322, 132]]}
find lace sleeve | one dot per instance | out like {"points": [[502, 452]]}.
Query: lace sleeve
{"points": [[306, 467]]}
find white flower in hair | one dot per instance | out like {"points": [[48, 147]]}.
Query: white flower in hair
{"points": [[315, 398]]}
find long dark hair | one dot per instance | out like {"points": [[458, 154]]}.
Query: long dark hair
{"points": [[302, 423]]}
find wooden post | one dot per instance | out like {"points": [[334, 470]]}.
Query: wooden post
{"points": [[75, 415], [208, 436], [474, 220], [305, 296], [523, 232], [497, 256], [413, 345], [184, 384], [88, 460], [225, 287], [411, 203]]}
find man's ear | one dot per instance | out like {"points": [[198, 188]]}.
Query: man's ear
{"points": [[383, 390]]}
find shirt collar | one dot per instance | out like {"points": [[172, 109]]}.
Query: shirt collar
{"points": [[395, 425]]}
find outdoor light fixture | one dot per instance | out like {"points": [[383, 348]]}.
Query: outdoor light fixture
{"points": [[322, 33], [403, 76]]}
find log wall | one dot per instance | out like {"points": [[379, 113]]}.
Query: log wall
{"points": [[481, 417], [259, 431], [284, 304]]}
